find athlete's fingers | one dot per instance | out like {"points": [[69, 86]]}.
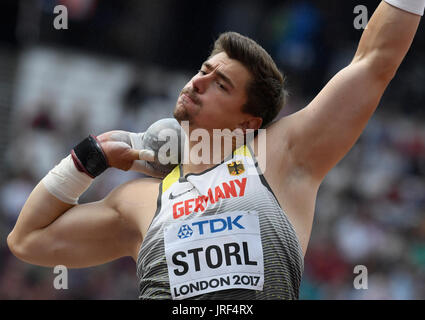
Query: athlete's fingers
{"points": [[145, 167], [136, 140], [146, 154], [133, 154], [122, 136]]}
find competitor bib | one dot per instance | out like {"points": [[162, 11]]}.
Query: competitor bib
{"points": [[214, 253]]}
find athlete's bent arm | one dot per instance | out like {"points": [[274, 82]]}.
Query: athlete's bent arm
{"points": [[319, 135], [50, 232], [51, 229]]}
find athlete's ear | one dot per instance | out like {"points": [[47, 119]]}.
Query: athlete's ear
{"points": [[251, 123]]}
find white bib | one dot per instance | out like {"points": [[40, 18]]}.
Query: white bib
{"points": [[214, 253]]}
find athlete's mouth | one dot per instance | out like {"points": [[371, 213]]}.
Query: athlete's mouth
{"points": [[191, 97]]}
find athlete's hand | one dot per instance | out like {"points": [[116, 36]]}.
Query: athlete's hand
{"points": [[124, 151]]}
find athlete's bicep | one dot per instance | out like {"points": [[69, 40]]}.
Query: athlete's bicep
{"points": [[94, 233], [319, 135], [86, 235]]}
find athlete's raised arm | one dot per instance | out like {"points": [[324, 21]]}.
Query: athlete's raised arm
{"points": [[319, 135], [52, 228]]}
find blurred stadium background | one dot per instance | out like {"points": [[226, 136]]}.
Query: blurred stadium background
{"points": [[121, 65]]}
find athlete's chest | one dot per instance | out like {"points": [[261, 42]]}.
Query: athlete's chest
{"points": [[193, 195], [211, 240]]}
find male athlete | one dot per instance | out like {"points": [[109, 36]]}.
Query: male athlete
{"points": [[219, 231]]}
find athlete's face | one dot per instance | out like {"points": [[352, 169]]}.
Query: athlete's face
{"points": [[214, 97]]}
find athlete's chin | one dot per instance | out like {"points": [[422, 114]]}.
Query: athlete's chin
{"points": [[181, 113]]}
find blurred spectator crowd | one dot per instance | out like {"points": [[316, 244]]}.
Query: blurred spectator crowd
{"points": [[370, 209]]}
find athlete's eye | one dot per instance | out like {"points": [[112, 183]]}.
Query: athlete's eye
{"points": [[202, 72], [221, 86]]}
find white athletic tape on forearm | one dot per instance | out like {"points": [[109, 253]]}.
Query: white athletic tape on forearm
{"points": [[65, 182], [412, 6]]}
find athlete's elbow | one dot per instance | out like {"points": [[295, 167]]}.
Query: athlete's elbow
{"points": [[384, 70], [15, 245], [18, 246]]}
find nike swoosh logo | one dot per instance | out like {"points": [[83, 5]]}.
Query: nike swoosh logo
{"points": [[180, 194]]}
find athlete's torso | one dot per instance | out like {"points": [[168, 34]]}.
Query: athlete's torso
{"points": [[220, 234]]}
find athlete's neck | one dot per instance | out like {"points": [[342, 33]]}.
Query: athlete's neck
{"points": [[207, 148]]}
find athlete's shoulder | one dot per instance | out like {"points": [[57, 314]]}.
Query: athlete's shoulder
{"points": [[278, 128], [272, 143], [274, 149]]}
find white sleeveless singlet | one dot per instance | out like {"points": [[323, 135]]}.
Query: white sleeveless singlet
{"points": [[220, 234]]}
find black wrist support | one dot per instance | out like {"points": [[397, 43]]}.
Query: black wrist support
{"points": [[89, 157]]}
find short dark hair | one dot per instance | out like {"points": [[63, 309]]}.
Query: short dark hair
{"points": [[265, 92]]}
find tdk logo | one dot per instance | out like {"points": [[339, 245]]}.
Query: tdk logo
{"points": [[184, 232], [210, 226]]}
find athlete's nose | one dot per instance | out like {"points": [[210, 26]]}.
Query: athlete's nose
{"points": [[200, 83]]}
